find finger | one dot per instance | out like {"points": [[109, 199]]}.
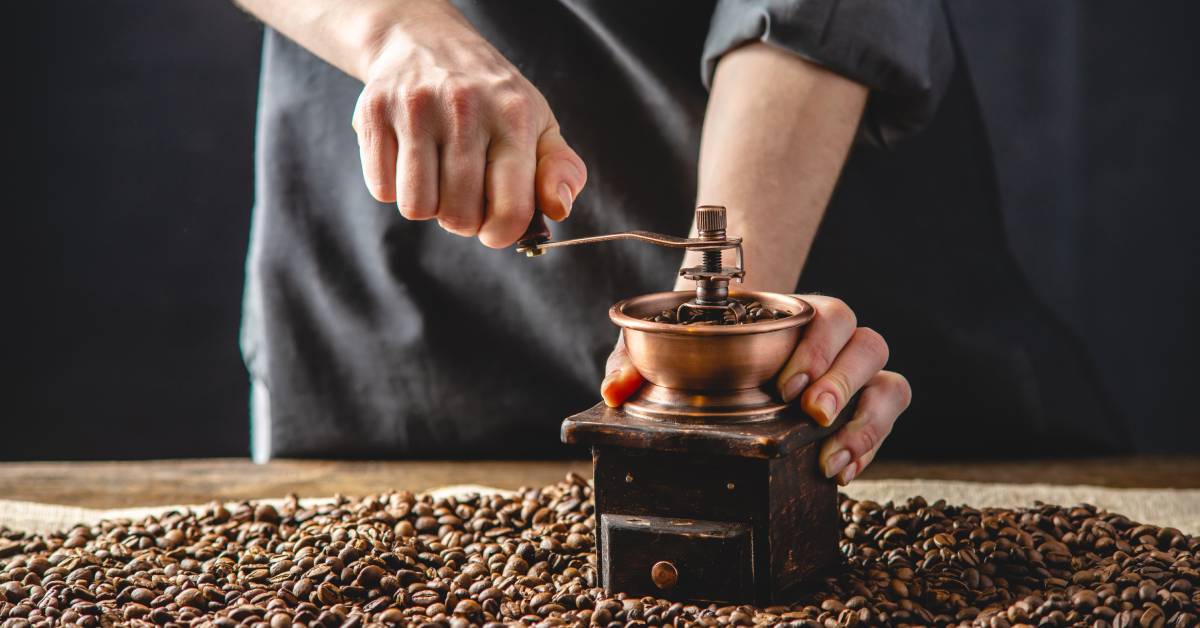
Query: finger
{"points": [[832, 326], [460, 195], [417, 155], [560, 175], [855, 468], [376, 146], [508, 184], [622, 380], [860, 359], [417, 177], [848, 451]]}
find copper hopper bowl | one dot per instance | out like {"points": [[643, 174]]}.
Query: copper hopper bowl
{"points": [[708, 373]]}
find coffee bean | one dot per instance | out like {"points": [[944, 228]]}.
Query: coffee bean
{"points": [[468, 607], [13, 591], [370, 576], [328, 594], [1085, 600], [1152, 618], [515, 566], [190, 597], [540, 599], [391, 616], [173, 538], [401, 559], [133, 610], [425, 597], [303, 588], [754, 312]]}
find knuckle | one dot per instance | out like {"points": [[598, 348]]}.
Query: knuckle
{"points": [[866, 439], [417, 102], [617, 359], [462, 100], [901, 389], [566, 153], [520, 213], [820, 358], [458, 225], [837, 311], [371, 113], [516, 114], [874, 344], [506, 212], [839, 385], [583, 171]]}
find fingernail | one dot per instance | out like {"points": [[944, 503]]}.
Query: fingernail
{"points": [[564, 196], [827, 405], [835, 463], [792, 388], [605, 386], [609, 388], [848, 474]]}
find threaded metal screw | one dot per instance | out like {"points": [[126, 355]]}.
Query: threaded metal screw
{"points": [[710, 225]]}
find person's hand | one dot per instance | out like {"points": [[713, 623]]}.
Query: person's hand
{"points": [[834, 360], [449, 129]]}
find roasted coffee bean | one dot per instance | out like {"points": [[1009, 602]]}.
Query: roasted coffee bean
{"points": [[370, 576], [755, 312], [468, 607], [402, 559], [191, 597]]}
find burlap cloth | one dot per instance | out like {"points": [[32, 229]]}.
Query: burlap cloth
{"points": [[1178, 508]]}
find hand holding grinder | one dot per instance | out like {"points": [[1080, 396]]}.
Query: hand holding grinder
{"points": [[707, 484]]}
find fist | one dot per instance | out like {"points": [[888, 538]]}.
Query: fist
{"points": [[449, 129]]}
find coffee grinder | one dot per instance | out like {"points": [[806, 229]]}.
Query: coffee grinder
{"points": [[707, 484]]}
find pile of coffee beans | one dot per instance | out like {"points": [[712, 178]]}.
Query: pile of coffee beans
{"points": [[530, 558], [755, 312]]}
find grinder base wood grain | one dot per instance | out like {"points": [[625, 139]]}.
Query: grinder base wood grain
{"points": [[727, 512]]}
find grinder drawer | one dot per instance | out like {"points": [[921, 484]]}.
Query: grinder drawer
{"points": [[677, 558]]}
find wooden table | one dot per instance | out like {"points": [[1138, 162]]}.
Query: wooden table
{"points": [[160, 482]]}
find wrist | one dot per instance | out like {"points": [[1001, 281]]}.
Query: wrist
{"points": [[388, 26]]}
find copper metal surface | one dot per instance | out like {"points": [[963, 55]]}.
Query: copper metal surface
{"points": [[630, 314], [716, 373], [669, 241], [712, 277], [708, 408], [664, 574]]}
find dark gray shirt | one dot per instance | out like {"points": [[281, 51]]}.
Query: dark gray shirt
{"points": [[368, 335]]}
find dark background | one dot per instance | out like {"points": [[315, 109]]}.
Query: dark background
{"points": [[128, 256]]}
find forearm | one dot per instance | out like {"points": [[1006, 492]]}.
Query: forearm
{"points": [[776, 134], [346, 34]]}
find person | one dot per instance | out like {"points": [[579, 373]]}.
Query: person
{"points": [[368, 333]]}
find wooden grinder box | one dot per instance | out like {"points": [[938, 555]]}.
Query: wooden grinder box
{"points": [[733, 512]]}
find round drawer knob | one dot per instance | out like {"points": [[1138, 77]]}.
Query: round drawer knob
{"points": [[664, 574]]}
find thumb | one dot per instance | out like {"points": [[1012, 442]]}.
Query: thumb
{"points": [[560, 176], [622, 380]]}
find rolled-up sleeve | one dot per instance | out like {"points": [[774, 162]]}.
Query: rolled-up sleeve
{"points": [[900, 49]]}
